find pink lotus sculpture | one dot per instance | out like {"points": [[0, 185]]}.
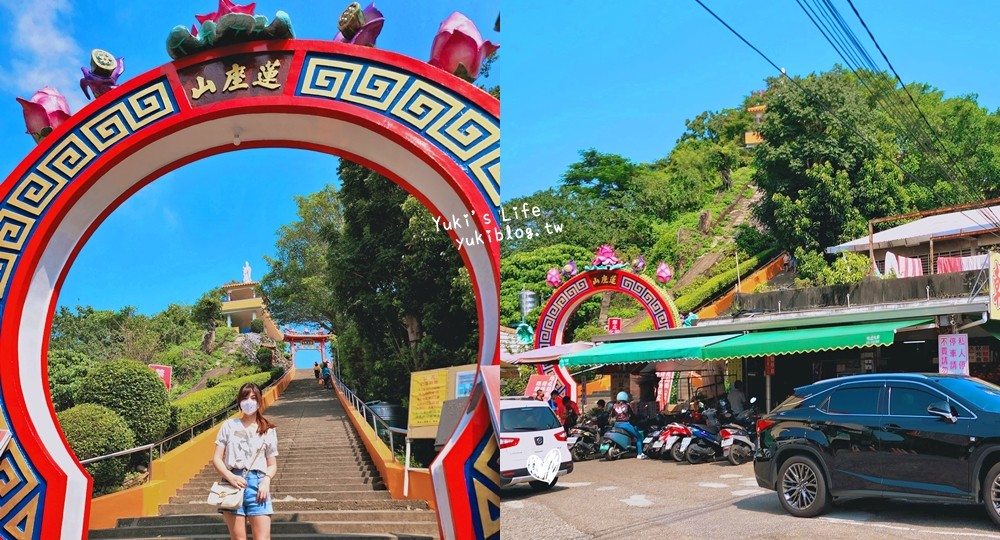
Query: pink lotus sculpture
{"points": [[553, 278], [605, 257], [44, 112], [225, 7], [359, 26], [570, 269], [664, 273], [459, 48]]}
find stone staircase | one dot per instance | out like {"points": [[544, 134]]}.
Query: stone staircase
{"points": [[326, 485]]}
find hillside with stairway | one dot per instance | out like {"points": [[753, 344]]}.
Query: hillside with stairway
{"points": [[326, 485]]}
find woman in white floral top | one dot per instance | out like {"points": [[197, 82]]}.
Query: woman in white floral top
{"points": [[249, 444]]}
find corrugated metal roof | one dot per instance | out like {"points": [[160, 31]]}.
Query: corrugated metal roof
{"points": [[922, 230]]}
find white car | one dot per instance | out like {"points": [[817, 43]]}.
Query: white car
{"points": [[533, 445]]}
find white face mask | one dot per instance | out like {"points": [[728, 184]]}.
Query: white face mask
{"points": [[249, 406]]}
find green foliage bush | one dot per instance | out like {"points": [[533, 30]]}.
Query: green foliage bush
{"points": [[264, 357], [93, 430], [195, 407], [67, 370], [134, 392], [257, 326], [718, 283], [584, 333]]}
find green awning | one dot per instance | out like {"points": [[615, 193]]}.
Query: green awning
{"points": [[803, 340], [634, 352]]}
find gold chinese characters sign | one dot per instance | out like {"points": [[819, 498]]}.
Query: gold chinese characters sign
{"points": [[235, 77]]}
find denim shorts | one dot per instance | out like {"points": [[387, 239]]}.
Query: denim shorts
{"points": [[250, 505]]}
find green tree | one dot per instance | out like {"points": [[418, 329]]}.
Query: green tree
{"points": [[297, 284], [67, 370], [207, 311]]}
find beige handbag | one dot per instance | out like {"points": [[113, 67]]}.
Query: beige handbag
{"points": [[226, 496]]}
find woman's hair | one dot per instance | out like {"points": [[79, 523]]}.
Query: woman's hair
{"points": [[248, 389]]}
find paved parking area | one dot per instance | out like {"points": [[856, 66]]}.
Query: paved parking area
{"points": [[633, 499]]}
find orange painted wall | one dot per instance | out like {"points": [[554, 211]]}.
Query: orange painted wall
{"points": [[169, 473], [747, 285], [392, 472]]}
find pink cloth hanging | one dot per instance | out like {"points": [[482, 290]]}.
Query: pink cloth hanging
{"points": [[949, 264], [909, 267]]}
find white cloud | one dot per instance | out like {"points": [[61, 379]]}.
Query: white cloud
{"points": [[44, 51]]}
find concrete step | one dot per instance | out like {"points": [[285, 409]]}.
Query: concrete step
{"points": [[278, 528], [381, 503], [304, 516], [281, 488], [310, 496]]}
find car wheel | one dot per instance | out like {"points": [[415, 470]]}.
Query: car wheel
{"points": [[739, 454], [538, 485], [991, 493], [675, 452], [614, 452], [802, 487]]}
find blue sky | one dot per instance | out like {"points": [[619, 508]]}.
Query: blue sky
{"points": [[192, 229], [623, 78]]}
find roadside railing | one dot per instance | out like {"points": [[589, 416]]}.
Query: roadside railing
{"points": [[388, 434]]}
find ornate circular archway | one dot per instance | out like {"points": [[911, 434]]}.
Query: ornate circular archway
{"points": [[582, 286], [432, 133]]}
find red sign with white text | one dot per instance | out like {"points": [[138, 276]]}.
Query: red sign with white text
{"points": [[545, 383], [164, 372], [614, 325]]}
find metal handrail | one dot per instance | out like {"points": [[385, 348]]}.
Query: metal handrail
{"points": [[364, 409], [119, 453]]}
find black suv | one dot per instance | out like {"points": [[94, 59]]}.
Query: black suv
{"points": [[923, 437]]}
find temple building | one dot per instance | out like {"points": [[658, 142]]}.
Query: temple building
{"points": [[242, 306]]}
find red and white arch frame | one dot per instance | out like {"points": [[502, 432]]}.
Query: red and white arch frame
{"points": [[579, 288], [432, 133]]}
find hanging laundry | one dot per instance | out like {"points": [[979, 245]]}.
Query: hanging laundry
{"points": [[949, 264], [891, 264], [975, 262], [909, 267]]}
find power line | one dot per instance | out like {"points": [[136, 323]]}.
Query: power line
{"points": [[900, 79], [809, 94]]}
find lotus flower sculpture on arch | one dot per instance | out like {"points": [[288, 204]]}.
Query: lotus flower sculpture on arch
{"points": [[606, 259], [230, 23], [46, 109], [459, 48], [103, 74], [359, 26]]}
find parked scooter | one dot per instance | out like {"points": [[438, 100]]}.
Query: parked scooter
{"points": [[585, 440], [739, 439], [704, 443]]}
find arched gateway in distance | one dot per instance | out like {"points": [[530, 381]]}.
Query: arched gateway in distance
{"points": [[429, 131], [579, 288]]}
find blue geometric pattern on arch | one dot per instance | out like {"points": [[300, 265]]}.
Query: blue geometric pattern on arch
{"points": [[478, 470], [464, 131]]}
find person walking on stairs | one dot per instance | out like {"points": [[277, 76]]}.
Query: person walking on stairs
{"points": [[248, 445]]}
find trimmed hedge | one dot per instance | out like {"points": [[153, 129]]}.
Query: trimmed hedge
{"points": [[257, 326], [133, 391], [198, 406], [94, 430], [716, 284]]}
